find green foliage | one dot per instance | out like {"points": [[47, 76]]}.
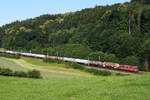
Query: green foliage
{"points": [[71, 50], [10, 56], [120, 74], [145, 53], [20, 74], [76, 66], [141, 1], [47, 60], [98, 72], [146, 48], [30, 74], [130, 60], [34, 74], [6, 72], [103, 57]]}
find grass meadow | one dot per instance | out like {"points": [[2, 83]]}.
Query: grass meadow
{"points": [[48, 70], [63, 83], [83, 88]]}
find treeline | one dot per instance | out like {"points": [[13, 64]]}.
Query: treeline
{"points": [[117, 33], [29, 74]]}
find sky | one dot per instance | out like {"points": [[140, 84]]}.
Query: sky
{"points": [[12, 10]]}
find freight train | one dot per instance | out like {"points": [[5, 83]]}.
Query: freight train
{"points": [[114, 66]]}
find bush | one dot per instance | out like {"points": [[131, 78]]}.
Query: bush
{"points": [[120, 74], [47, 60], [75, 65], [98, 72], [30, 74], [34, 74], [6, 72], [20, 74], [10, 56]]}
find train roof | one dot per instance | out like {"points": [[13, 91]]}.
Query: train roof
{"points": [[130, 66]]}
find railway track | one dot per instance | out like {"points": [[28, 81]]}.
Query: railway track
{"points": [[113, 70]]}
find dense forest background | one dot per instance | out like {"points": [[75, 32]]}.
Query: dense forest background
{"points": [[117, 33]]}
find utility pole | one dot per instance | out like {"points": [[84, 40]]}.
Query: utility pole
{"points": [[57, 55], [47, 53], [99, 58], [88, 61]]}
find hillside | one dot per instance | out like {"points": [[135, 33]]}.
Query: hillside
{"points": [[117, 33]]}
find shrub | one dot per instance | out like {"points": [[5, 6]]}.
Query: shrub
{"points": [[10, 56], [34, 74], [120, 74], [98, 72], [6, 72], [30, 74], [75, 65], [47, 60], [20, 74]]}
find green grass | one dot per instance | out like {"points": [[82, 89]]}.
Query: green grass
{"points": [[38, 62], [63, 83], [8, 63], [91, 88], [2, 49]]}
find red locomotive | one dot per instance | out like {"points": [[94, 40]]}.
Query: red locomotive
{"points": [[129, 68]]}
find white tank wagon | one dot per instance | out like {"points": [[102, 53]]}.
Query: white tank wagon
{"points": [[95, 63], [82, 61], [68, 59], [33, 55]]}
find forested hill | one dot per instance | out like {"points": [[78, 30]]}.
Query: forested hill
{"points": [[117, 33]]}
